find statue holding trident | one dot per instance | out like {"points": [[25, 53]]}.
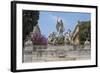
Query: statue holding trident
{"points": [[59, 27]]}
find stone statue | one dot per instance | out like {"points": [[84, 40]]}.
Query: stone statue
{"points": [[67, 38], [59, 26], [86, 42]]}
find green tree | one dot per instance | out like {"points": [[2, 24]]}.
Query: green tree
{"points": [[85, 32], [30, 19]]}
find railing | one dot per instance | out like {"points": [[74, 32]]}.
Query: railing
{"points": [[55, 53]]}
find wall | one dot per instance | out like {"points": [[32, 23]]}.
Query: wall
{"points": [[5, 36]]}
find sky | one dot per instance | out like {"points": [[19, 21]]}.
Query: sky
{"points": [[48, 20]]}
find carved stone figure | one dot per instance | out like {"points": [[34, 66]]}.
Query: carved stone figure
{"points": [[59, 26], [52, 38], [67, 39]]}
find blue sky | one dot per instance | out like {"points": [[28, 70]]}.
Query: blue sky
{"points": [[48, 20]]}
